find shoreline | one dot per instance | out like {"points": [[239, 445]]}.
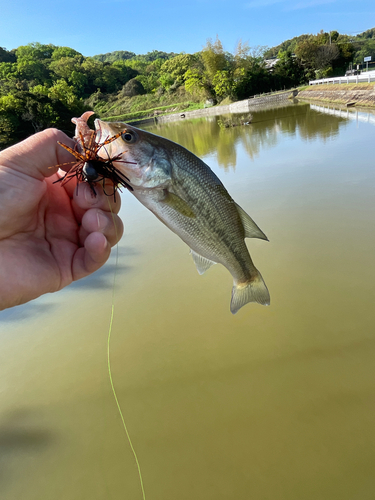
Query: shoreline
{"points": [[360, 95], [244, 106]]}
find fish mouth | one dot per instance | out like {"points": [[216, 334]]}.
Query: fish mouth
{"points": [[98, 129], [106, 131], [116, 164]]}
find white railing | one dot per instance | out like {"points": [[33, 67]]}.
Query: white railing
{"points": [[364, 77]]}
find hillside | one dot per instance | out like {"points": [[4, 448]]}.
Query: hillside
{"points": [[43, 85], [284, 46], [121, 55], [363, 42]]}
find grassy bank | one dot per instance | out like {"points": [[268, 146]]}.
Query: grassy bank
{"points": [[338, 86], [152, 112], [123, 108], [130, 109], [361, 94]]}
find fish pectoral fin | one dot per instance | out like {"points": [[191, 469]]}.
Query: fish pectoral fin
{"points": [[251, 229], [178, 204], [201, 263]]}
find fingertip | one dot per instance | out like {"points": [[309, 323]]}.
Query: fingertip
{"points": [[92, 256], [96, 220], [97, 247], [87, 197], [93, 196]]}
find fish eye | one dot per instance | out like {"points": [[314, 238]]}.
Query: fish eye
{"points": [[128, 136]]}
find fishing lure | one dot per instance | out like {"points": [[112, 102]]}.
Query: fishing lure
{"points": [[88, 166]]}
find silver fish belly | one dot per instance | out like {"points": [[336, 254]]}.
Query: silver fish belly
{"points": [[184, 193]]}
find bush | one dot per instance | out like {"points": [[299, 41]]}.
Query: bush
{"points": [[132, 88]]}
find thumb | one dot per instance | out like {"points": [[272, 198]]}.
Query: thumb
{"points": [[37, 154]]}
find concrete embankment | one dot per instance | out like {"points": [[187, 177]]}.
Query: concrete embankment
{"points": [[244, 106], [359, 95]]}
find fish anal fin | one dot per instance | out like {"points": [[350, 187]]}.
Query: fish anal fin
{"points": [[201, 263], [251, 229], [252, 291], [178, 204]]}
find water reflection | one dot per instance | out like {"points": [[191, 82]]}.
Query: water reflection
{"points": [[26, 311], [347, 114], [19, 431], [205, 138], [22, 438], [103, 278]]}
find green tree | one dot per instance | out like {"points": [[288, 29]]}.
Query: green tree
{"points": [[110, 79], [60, 52], [197, 84], [288, 71], [72, 71], [223, 84], [26, 113], [132, 88], [35, 51], [64, 66], [8, 71], [117, 55], [177, 67], [92, 69], [157, 54], [65, 93], [125, 73], [324, 55], [214, 57], [166, 80], [306, 53], [32, 70], [7, 56], [255, 80], [365, 49], [150, 82], [33, 60]]}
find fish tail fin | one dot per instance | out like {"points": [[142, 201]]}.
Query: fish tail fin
{"points": [[254, 290]]}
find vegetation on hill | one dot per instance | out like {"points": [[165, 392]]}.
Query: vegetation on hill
{"points": [[46, 85], [124, 54], [348, 49]]}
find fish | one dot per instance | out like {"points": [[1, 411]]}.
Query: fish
{"points": [[186, 195]]}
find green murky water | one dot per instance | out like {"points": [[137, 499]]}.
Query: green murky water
{"points": [[274, 403]]}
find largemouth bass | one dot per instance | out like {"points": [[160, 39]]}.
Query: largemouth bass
{"points": [[184, 193]]}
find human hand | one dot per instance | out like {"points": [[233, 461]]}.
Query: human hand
{"points": [[50, 235]]}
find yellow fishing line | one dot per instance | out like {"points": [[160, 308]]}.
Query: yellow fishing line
{"points": [[109, 362]]}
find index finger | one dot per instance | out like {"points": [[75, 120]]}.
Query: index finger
{"points": [[39, 155]]}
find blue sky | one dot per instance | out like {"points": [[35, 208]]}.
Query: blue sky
{"points": [[99, 26]]}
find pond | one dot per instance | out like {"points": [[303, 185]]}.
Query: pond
{"points": [[273, 403]]}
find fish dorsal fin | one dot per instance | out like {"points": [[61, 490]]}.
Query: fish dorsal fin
{"points": [[178, 204], [202, 264], [251, 229]]}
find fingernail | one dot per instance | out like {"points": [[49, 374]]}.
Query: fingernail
{"points": [[90, 196]]}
